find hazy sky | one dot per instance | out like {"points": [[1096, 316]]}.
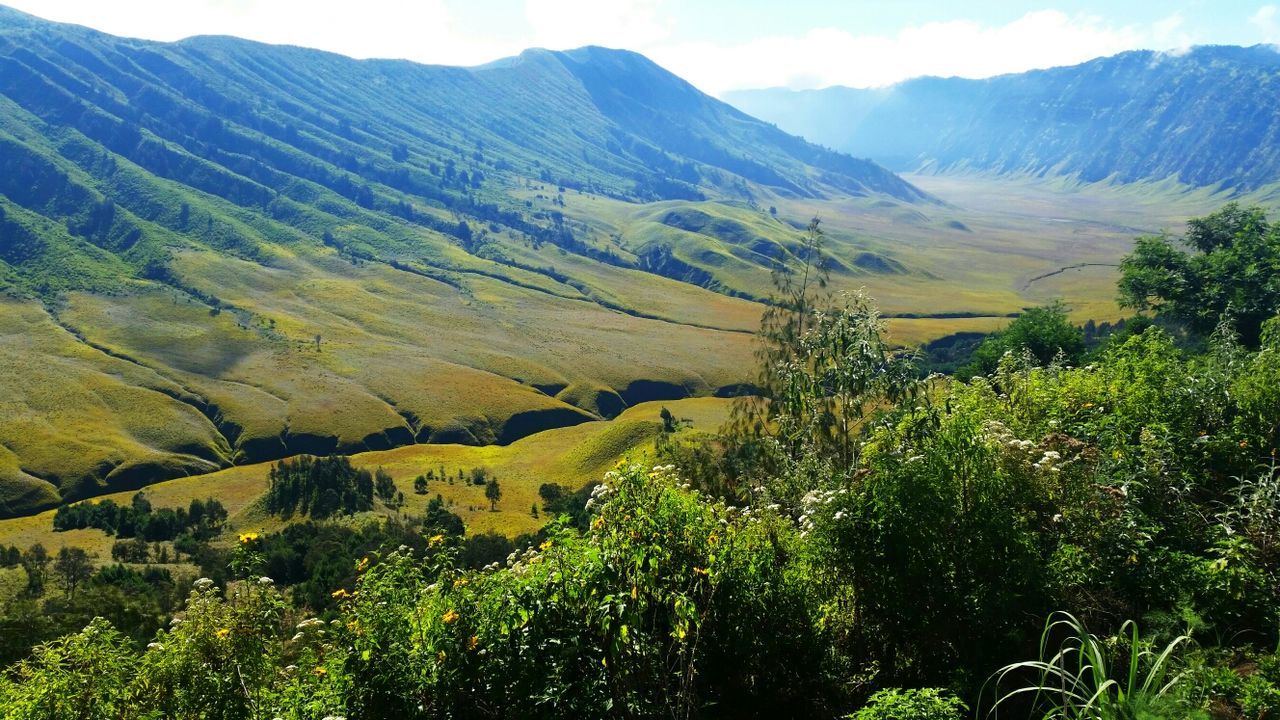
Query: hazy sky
{"points": [[718, 45]]}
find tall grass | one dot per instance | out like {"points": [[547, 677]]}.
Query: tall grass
{"points": [[1082, 680]]}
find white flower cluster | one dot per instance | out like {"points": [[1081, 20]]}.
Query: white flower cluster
{"points": [[306, 625], [813, 503], [600, 495], [996, 432], [203, 583], [266, 581], [1051, 461]]}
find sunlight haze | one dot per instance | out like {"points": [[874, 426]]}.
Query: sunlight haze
{"points": [[718, 46]]}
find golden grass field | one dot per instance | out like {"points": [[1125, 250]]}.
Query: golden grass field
{"points": [[314, 353], [572, 457]]}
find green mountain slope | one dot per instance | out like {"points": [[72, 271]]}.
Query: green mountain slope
{"points": [[1205, 118], [217, 251]]}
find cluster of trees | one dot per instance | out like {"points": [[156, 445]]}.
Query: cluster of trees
{"points": [[201, 518], [325, 486], [67, 593], [864, 542]]}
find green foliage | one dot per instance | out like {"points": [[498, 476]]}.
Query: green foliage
{"points": [[320, 487], [958, 524], [825, 369], [492, 493], [1232, 273], [203, 519], [1082, 681], [1044, 332], [85, 676], [922, 704]]}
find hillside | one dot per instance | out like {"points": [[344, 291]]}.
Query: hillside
{"points": [[216, 251], [1204, 118]]}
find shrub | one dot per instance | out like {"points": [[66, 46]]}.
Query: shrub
{"points": [[922, 704]]}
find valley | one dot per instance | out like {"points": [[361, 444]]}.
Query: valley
{"points": [[215, 255]]}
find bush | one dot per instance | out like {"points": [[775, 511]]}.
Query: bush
{"points": [[922, 704]]}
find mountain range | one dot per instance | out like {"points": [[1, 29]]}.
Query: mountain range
{"points": [[216, 251], [1205, 117]]}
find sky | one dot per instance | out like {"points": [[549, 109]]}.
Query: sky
{"points": [[718, 45]]}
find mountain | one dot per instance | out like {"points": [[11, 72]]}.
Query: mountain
{"points": [[1205, 117], [216, 251]]}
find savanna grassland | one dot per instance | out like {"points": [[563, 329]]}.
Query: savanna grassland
{"points": [[217, 254]]}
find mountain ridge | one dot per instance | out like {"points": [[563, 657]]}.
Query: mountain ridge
{"points": [[1201, 117], [218, 251]]}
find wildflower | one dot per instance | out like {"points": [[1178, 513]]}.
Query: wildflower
{"points": [[1244, 443], [1088, 405], [364, 563], [203, 583], [472, 642], [248, 537], [318, 671], [460, 582], [450, 617], [435, 540], [223, 633], [701, 571], [545, 546], [339, 594], [266, 581], [155, 646]]}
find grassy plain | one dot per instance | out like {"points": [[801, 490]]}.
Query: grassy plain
{"points": [[569, 456]]}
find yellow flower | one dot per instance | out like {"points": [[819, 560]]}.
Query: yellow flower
{"points": [[339, 594], [701, 571], [364, 563], [597, 523], [248, 537], [545, 546], [318, 670], [1088, 405], [450, 617], [713, 539], [472, 642], [223, 633], [435, 540], [460, 582]]}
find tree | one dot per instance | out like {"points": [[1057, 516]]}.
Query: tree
{"points": [[1232, 273], [420, 485], [669, 422], [1043, 331], [36, 562], [384, 486], [73, 567], [493, 493]]}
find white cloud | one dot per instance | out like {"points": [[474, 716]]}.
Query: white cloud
{"points": [[414, 29], [566, 24], [1267, 21], [829, 56], [426, 31]]}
